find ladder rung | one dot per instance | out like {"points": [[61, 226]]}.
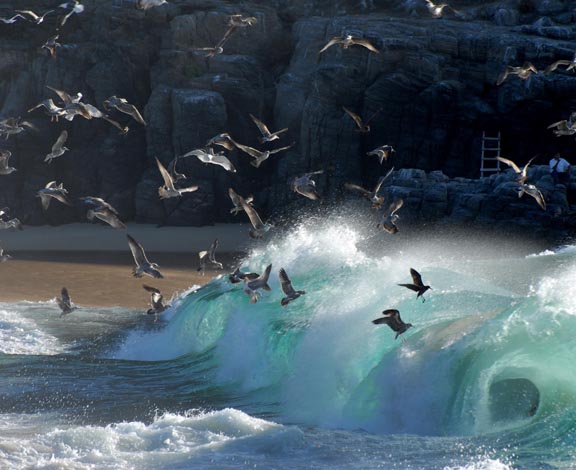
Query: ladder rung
{"points": [[491, 138]]}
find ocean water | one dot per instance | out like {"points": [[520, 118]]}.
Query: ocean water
{"points": [[485, 380]]}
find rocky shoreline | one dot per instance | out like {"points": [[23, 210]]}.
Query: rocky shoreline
{"points": [[434, 80]]}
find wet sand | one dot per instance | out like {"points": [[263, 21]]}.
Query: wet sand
{"points": [[99, 279], [95, 263]]}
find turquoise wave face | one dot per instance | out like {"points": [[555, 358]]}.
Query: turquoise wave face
{"points": [[491, 349]]}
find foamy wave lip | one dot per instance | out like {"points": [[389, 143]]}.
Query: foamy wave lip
{"points": [[486, 464], [566, 249], [168, 440], [19, 335]]}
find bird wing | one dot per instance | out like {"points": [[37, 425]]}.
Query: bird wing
{"points": [[45, 199], [395, 206], [234, 197], [360, 189], [137, 251], [286, 283], [165, 175], [510, 163], [331, 43], [33, 15], [65, 97], [357, 119], [151, 289], [4, 158], [282, 148], [530, 66], [365, 43], [98, 202], [61, 196], [553, 66], [537, 194], [66, 297], [110, 217], [261, 126], [503, 76], [224, 162], [212, 250], [381, 180], [255, 219], [525, 169], [249, 150], [60, 141], [416, 277], [413, 287], [132, 111], [561, 124]]}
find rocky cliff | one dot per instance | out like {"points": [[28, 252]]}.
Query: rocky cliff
{"points": [[432, 89]]}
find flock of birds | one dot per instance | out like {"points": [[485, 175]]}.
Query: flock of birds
{"points": [[69, 106]]}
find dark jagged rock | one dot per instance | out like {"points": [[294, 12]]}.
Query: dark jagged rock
{"points": [[431, 91]]}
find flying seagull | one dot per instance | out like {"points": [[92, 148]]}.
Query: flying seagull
{"points": [[5, 168], [156, 301], [14, 125], [376, 200], [382, 152], [261, 156], [524, 72], [65, 303], [267, 136], [363, 126], [522, 175], [143, 266], [533, 191], [58, 149], [223, 140], [52, 110], [291, 294], [209, 256], [570, 65], [258, 227], [564, 127], [11, 224], [212, 51], [168, 190], [51, 44], [240, 276], [235, 197], [417, 284], [392, 319], [75, 7], [122, 105], [147, 4], [207, 155], [103, 211], [306, 186], [436, 9], [33, 17], [238, 21], [261, 282], [3, 256], [349, 40], [389, 217], [11, 20], [53, 190]]}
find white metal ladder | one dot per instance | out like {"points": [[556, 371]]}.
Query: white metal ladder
{"points": [[490, 150]]}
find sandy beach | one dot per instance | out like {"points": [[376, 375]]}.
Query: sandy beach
{"points": [[95, 263]]}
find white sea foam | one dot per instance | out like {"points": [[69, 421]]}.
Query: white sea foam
{"points": [[21, 335], [484, 464], [168, 442]]}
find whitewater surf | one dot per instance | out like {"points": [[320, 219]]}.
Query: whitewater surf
{"points": [[483, 380]]}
